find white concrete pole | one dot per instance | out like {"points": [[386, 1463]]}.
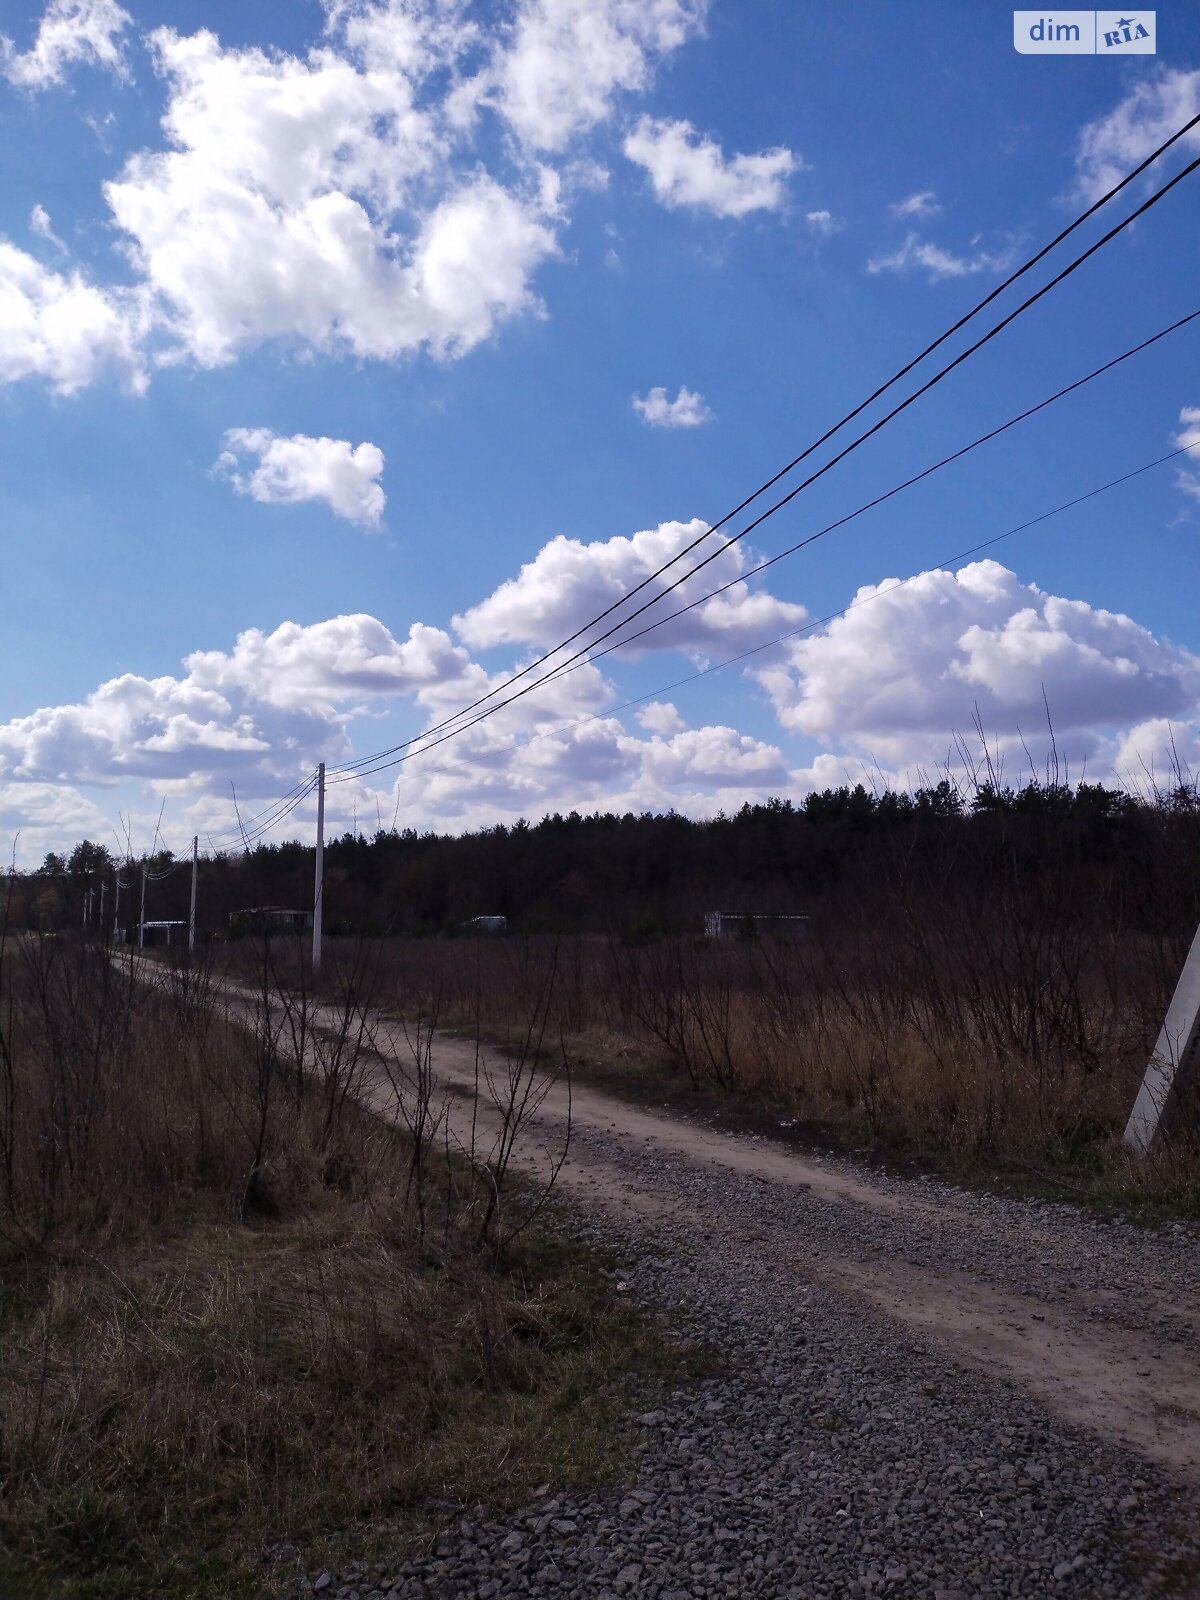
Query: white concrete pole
{"points": [[1176, 1056], [319, 882], [117, 905], [142, 913], [192, 909]]}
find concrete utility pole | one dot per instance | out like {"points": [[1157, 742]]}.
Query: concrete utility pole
{"points": [[142, 914], [117, 906], [319, 883], [1176, 1056], [192, 910], [100, 919]]}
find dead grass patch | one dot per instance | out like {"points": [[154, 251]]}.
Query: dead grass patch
{"points": [[227, 1322], [995, 1057]]}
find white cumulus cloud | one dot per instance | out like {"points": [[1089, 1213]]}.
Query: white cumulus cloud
{"points": [[883, 689], [902, 673], [70, 32], [141, 727], [329, 663], [39, 817], [687, 410], [58, 327], [593, 764], [349, 198], [292, 202], [937, 263], [289, 471], [568, 582], [660, 716], [568, 59], [924, 203], [259, 713], [713, 754], [1148, 115], [822, 223], [688, 170], [1158, 752]]}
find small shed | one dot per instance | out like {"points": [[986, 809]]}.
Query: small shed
{"points": [[268, 919]]}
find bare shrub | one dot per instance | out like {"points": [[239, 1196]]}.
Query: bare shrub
{"points": [[220, 1313], [1005, 1011]]}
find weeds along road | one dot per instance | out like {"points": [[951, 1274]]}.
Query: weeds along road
{"points": [[924, 1392]]}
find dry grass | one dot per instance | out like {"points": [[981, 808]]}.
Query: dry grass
{"points": [[224, 1321], [994, 1054]]}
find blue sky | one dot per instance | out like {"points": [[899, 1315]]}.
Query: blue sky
{"points": [[353, 354]]}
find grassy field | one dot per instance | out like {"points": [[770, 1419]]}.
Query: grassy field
{"points": [[237, 1314], [994, 1052]]}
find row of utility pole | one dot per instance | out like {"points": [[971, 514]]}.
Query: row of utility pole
{"points": [[90, 899], [1175, 1061], [318, 888]]}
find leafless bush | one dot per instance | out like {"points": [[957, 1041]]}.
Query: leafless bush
{"points": [[999, 1023], [516, 1091], [211, 1254]]}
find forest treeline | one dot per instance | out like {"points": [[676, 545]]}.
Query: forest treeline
{"points": [[1044, 850]]}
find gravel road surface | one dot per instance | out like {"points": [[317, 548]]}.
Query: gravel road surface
{"points": [[924, 1393]]}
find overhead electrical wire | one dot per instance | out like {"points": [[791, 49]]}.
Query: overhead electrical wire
{"points": [[300, 790], [870, 505], [273, 815], [424, 742], [487, 711], [256, 827], [768, 644], [253, 829], [807, 627], [857, 411]]}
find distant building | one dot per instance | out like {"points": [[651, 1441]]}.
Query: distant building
{"points": [[754, 924], [153, 933], [268, 919], [485, 925]]}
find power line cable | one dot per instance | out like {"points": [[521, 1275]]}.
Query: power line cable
{"points": [[768, 644], [425, 742], [261, 832], [305, 786], [810, 626], [870, 505], [857, 411], [580, 654], [278, 813], [254, 826]]}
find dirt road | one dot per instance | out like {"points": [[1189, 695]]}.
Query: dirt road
{"points": [[1100, 1321], [928, 1392]]}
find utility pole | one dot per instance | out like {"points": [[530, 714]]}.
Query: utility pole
{"points": [[192, 910], [117, 906], [1174, 1062], [103, 887], [142, 915], [319, 883]]}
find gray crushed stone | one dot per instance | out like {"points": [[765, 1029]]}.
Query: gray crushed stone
{"points": [[837, 1455]]}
